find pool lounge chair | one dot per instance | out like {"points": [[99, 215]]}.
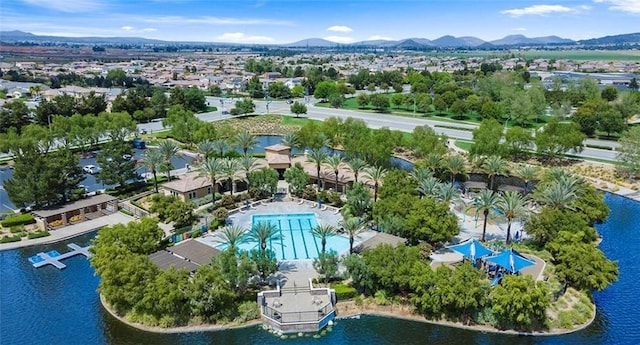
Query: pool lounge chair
{"points": [[314, 205], [324, 208], [301, 202]]}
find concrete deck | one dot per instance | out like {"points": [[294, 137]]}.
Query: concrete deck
{"points": [[56, 261]]}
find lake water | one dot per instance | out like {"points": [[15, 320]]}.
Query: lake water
{"points": [[51, 306]]}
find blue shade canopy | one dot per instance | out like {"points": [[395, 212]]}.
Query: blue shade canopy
{"points": [[510, 260], [471, 249]]}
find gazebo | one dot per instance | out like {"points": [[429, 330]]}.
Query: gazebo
{"points": [[510, 260], [471, 249]]}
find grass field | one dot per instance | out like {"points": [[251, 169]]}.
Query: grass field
{"points": [[578, 55]]}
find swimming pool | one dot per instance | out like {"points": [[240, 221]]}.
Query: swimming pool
{"points": [[297, 242]]}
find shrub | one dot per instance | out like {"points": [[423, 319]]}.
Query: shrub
{"points": [[247, 311], [20, 219], [17, 229], [309, 193], [344, 292], [38, 234], [8, 239], [227, 201], [216, 223], [334, 199], [221, 213]]}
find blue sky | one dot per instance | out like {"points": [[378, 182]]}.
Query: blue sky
{"points": [[285, 21]]}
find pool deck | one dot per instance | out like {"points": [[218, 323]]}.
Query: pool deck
{"points": [[56, 261]]}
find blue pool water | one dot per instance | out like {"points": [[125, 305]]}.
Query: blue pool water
{"points": [[53, 253], [296, 242]]}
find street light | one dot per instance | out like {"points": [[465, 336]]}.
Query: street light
{"points": [[49, 120]]}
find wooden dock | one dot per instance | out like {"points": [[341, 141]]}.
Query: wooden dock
{"points": [[56, 261]]}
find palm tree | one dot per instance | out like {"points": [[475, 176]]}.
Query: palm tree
{"points": [[210, 169], [527, 173], [512, 205], [262, 233], [206, 149], [454, 164], [220, 146], [152, 160], [232, 235], [485, 202], [323, 232], [421, 173], [248, 164], [352, 226], [230, 169], [334, 163], [428, 186], [447, 192], [376, 175], [557, 195], [356, 165], [318, 157], [290, 139], [494, 166], [246, 141], [433, 161], [169, 150]]}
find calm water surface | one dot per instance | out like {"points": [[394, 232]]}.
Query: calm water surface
{"points": [[51, 306]]}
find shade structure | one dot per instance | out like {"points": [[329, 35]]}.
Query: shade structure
{"points": [[471, 249], [510, 260]]}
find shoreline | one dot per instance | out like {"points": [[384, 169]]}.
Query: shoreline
{"points": [[180, 329]]}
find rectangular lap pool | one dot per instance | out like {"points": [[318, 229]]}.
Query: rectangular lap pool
{"points": [[297, 242]]}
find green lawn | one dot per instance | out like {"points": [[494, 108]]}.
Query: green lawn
{"points": [[296, 121], [463, 144]]}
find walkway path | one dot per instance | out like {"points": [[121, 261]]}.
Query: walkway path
{"points": [[72, 231]]}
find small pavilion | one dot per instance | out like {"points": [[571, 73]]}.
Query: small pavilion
{"points": [[278, 157], [84, 209]]}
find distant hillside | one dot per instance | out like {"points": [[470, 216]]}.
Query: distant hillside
{"points": [[456, 42], [312, 42], [612, 40], [18, 36]]}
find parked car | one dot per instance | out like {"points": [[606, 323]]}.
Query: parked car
{"points": [[91, 169]]}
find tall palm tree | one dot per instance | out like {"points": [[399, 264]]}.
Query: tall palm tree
{"points": [[233, 236], [248, 165], [376, 175], [152, 160], [455, 166], [230, 172], [317, 157], [246, 141], [290, 139], [334, 163], [494, 166], [324, 231], [485, 201], [206, 149], [447, 192], [210, 169], [169, 150], [557, 195], [220, 146], [262, 233], [352, 226], [428, 186], [356, 165], [512, 205], [527, 173]]}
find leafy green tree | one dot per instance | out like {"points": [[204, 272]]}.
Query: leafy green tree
{"points": [[245, 106], [235, 270], [612, 122], [519, 141], [491, 110], [265, 263], [487, 139], [297, 179], [425, 140], [14, 114], [263, 183], [117, 126], [581, 264], [159, 103], [629, 152], [183, 123], [209, 296], [91, 104], [324, 89], [166, 297], [520, 302], [458, 109], [545, 226], [336, 99], [115, 168], [363, 100], [379, 101], [556, 138], [326, 265], [298, 108], [279, 90], [431, 221], [609, 93], [194, 100]]}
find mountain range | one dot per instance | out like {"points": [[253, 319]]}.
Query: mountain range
{"points": [[442, 42]]}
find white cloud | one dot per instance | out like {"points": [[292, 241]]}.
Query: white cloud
{"points": [[71, 6], [180, 20], [339, 39], [339, 28], [631, 6], [379, 37], [127, 28], [538, 10], [149, 30], [520, 29], [240, 37]]}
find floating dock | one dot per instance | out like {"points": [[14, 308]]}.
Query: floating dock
{"points": [[54, 258]]}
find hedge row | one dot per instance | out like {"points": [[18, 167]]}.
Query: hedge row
{"points": [[38, 234], [344, 292], [8, 239], [20, 219]]}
